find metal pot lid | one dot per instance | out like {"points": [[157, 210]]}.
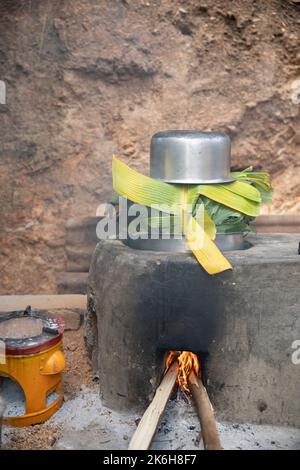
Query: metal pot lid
{"points": [[191, 157]]}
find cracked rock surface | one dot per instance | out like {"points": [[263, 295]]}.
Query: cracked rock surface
{"points": [[87, 79]]}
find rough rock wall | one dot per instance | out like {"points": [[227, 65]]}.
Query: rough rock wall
{"points": [[89, 78]]}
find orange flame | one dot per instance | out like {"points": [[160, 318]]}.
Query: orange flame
{"points": [[187, 362]]}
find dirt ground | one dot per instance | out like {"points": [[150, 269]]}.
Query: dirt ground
{"points": [[84, 423], [86, 80]]}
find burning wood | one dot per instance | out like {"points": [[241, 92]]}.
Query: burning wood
{"points": [[187, 362], [188, 380], [181, 367], [145, 431], [205, 412]]}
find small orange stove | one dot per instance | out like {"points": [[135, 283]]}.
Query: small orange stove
{"points": [[34, 359]]}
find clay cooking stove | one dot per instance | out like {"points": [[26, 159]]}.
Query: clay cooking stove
{"points": [[148, 297]]}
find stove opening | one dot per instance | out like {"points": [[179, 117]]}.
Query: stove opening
{"points": [[51, 396], [188, 362], [13, 396]]}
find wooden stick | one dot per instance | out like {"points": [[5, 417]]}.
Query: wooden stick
{"points": [[205, 412], [145, 431], [19, 302]]}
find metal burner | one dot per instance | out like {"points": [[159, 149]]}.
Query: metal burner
{"points": [[33, 358], [29, 331]]}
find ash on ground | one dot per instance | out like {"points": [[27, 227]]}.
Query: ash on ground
{"points": [[84, 423]]}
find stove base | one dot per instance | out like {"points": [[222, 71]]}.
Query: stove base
{"points": [[245, 321]]}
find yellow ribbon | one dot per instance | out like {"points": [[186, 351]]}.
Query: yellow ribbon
{"points": [[174, 199]]}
